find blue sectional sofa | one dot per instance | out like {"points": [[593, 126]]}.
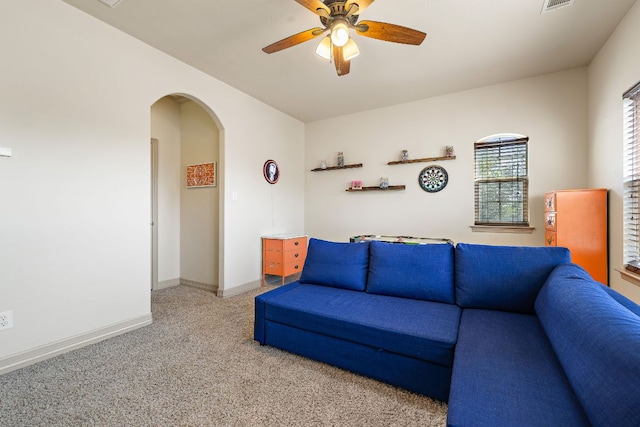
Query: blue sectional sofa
{"points": [[508, 336]]}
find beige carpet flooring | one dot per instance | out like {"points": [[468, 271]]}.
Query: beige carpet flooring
{"points": [[197, 365]]}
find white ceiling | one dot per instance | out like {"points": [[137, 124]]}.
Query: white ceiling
{"points": [[469, 44]]}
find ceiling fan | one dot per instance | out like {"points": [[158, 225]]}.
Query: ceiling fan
{"points": [[338, 17]]}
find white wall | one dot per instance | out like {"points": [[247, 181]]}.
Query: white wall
{"points": [[550, 109], [165, 127], [614, 70], [75, 196], [199, 237]]}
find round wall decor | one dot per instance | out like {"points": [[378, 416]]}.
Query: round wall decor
{"points": [[433, 178], [271, 171]]}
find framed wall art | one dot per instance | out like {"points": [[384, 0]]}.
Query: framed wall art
{"points": [[202, 175]]}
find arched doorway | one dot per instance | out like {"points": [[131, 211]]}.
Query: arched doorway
{"points": [[186, 219]]}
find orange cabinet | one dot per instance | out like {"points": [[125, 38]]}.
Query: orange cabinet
{"points": [[283, 255], [577, 219]]}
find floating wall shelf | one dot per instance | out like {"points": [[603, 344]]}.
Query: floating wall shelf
{"points": [[389, 188], [426, 159], [334, 168]]}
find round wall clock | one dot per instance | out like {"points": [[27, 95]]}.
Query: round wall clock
{"points": [[271, 171], [433, 179]]}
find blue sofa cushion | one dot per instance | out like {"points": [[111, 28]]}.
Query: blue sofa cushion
{"points": [[336, 264], [411, 271], [597, 341], [504, 278], [505, 373], [424, 330]]}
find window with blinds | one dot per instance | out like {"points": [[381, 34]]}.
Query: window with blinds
{"points": [[631, 186], [501, 181]]}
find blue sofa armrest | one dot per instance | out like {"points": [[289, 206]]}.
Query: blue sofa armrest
{"points": [[259, 325], [597, 341]]}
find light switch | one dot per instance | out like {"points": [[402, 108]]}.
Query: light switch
{"points": [[234, 196], [5, 151]]}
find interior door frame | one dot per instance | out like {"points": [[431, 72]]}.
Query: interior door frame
{"points": [[154, 214]]}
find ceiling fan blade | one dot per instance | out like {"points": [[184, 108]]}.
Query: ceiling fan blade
{"points": [[294, 40], [390, 32], [314, 5], [362, 5], [342, 67]]}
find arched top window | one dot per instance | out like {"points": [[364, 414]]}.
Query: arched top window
{"points": [[501, 180], [503, 137]]}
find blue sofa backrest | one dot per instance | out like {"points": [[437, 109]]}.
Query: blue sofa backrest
{"points": [[597, 341], [506, 278], [336, 264], [412, 271]]}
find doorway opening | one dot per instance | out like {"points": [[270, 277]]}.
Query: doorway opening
{"points": [[186, 220]]}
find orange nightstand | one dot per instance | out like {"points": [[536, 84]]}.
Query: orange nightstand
{"points": [[283, 255]]}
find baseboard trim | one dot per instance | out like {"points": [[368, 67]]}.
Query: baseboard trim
{"points": [[168, 283], [199, 285], [227, 293], [38, 354]]}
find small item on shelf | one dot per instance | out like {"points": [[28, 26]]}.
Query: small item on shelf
{"points": [[384, 182], [356, 185], [405, 156], [323, 164], [448, 151], [340, 159]]}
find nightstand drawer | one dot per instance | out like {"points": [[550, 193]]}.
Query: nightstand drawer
{"points": [[550, 221], [550, 238], [284, 245], [283, 269], [286, 257], [550, 202]]}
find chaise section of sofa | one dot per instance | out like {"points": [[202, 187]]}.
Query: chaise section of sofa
{"points": [[506, 374], [396, 322], [505, 370]]}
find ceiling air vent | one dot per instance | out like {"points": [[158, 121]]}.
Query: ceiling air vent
{"points": [[114, 3], [551, 5]]}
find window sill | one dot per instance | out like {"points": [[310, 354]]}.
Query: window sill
{"points": [[630, 277], [501, 229]]}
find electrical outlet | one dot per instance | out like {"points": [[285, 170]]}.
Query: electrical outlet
{"points": [[6, 320]]}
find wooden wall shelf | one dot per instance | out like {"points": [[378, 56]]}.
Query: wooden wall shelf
{"points": [[425, 159], [389, 188], [333, 168]]}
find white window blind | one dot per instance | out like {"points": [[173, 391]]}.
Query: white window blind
{"points": [[501, 181], [631, 187]]}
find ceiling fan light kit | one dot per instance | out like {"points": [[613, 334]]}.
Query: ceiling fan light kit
{"points": [[350, 50], [324, 48], [339, 33], [338, 17]]}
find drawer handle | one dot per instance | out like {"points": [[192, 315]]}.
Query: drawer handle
{"points": [[296, 267], [549, 241], [297, 255], [549, 221], [296, 243]]}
